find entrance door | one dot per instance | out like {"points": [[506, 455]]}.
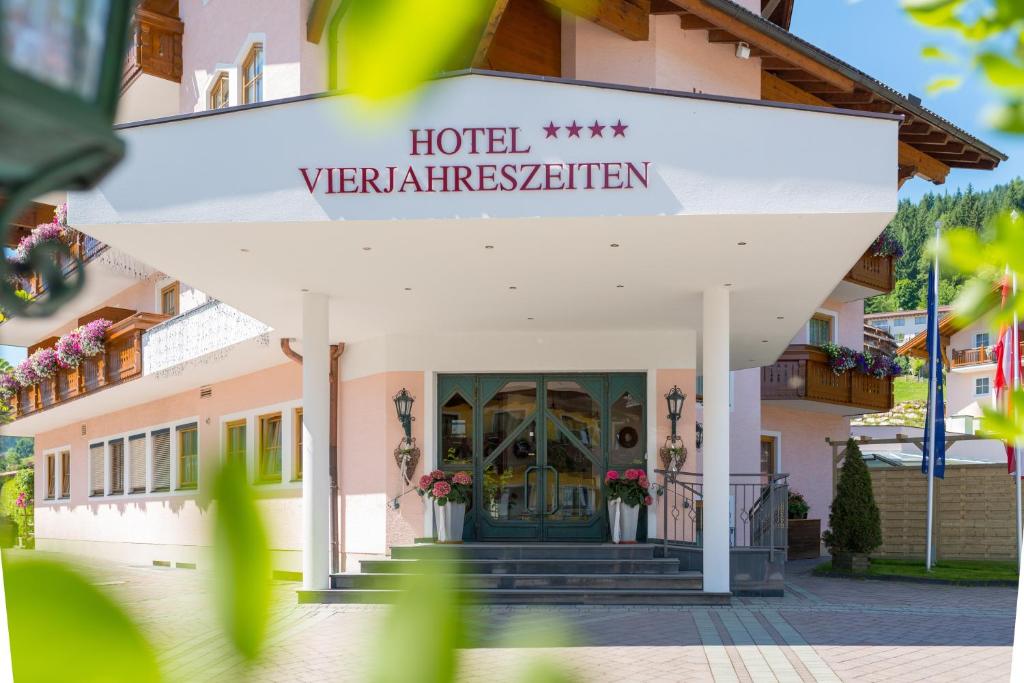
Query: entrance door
{"points": [[539, 449]]}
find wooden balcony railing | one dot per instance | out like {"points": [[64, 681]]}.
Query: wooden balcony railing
{"points": [[874, 272], [120, 362], [82, 247], [976, 356], [803, 374], [154, 46]]}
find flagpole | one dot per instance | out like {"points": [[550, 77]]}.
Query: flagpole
{"points": [[935, 365]]}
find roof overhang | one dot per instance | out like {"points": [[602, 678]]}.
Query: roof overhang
{"points": [[235, 216]]}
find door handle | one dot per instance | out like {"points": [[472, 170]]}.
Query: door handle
{"points": [[557, 496], [526, 487]]}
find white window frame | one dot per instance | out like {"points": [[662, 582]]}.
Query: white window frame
{"points": [[835, 325], [238, 64], [977, 340], [899, 322], [251, 417], [126, 468], [988, 386]]}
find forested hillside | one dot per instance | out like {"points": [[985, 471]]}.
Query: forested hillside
{"points": [[914, 225]]}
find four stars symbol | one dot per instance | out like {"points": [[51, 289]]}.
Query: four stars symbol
{"points": [[596, 130]]}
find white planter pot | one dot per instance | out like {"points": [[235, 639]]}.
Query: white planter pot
{"points": [[623, 521], [449, 518]]}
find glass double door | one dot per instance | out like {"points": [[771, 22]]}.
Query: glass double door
{"points": [[539, 446]]}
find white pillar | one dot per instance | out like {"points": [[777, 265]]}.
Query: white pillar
{"points": [[316, 484], [715, 350]]}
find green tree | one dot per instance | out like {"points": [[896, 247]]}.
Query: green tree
{"points": [[855, 525]]}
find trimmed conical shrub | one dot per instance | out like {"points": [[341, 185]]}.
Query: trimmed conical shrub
{"points": [[855, 525]]}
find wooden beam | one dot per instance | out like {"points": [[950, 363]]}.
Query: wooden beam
{"points": [[847, 98], [317, 20], [774, 88], [717, 35], [929, 137], [903, 174], [915, 127], [690, 22], [756, 38], [948, 147], [487, 37], [628, 18], [776, 64]]}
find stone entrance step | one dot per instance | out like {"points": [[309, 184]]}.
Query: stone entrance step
{"points": [[529, 573]]}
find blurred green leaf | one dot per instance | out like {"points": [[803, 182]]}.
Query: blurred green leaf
{"points": [[542, 669], [962, 249], [940, 84], [977, 298], [426, 626], [1000, 426], [935, 13], [1007, 117], [391, 46], [938, 54], [1000, 71], [241, 561], [64, 629]]}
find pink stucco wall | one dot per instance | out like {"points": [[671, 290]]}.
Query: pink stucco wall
{"points": [[804, 455], [167, 518], [849, 323], [671, 58]]}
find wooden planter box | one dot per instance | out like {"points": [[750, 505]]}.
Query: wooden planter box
{"points": [[804, 539]]}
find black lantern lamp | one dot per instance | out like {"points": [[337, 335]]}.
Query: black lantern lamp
{"points": [[675, 399], [407, 454], [673, 453], [60, 78]]}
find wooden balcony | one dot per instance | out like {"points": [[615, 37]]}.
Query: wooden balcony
{"points": [[963, 358], [803, 374], [82, 247], [120, 362], [154, 46], [874, 272]]}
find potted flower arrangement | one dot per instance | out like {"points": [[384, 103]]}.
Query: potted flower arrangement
{"points": [[626, 495], [449, 494]]}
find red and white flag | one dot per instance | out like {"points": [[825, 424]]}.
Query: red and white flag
{"points": [[1007, 354]]}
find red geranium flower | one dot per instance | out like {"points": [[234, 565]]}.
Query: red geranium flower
{"points": [[611, 476], [442, 489], [648, 500], [437, 475], [425, 482]]}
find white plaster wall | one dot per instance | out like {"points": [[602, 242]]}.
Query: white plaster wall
{"points": [[148, 97], [745, 424]]}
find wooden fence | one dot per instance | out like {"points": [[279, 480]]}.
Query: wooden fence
{"points": [[974, 512]]}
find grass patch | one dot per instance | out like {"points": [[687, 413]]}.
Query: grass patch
{"points": [[909, 389], [968, 571]]}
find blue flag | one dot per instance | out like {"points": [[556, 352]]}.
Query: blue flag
{"points": [[936, 402]]}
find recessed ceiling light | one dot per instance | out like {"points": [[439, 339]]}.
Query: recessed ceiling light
{"points": [[367, 248], [764, 341], [488, 246], [728, 284], [408, 289], [613, 245], [780, 317], [244, 250], [619, 286], [304, 289], [529, 318], [742, 244], [512, 287]]}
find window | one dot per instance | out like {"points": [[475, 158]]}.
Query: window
{"points": [[234, 438], [921, 320], [51, 477], [161, 459], [116, 467], [188, 456], [252, 75], [898, 322], [297, 457], [981, 387], [820, 329], [769, 454], [65, 474], [981, 339], [219, 92], [96, 469], [137, 463], [269, 468], [169, 299]]}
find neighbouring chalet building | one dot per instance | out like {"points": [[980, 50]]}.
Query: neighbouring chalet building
{"points": [[590, 212], [902, 325]]}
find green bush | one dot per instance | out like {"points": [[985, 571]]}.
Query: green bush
{"points": [[855, 525], [22, 482], [798, 507]]}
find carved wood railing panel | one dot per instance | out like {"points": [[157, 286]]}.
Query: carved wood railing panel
{"points": [[154, 47], [876, 272], [802, 373]]}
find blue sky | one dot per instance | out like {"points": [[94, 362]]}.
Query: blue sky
{"points": [[877, 37]]}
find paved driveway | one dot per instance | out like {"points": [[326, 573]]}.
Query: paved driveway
{"points": [[823, 629]]}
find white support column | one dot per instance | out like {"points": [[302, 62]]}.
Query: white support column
{"points": [[715, 350], [316, 484]]}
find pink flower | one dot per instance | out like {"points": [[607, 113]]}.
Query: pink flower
{"points": [[425, 482], [22, 500], [437, 475], [611, 476], [462, 478], [633, 474], [644, 483], [648, 500], [441, 489]]}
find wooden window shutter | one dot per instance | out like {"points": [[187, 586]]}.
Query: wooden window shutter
{"points": [[51, 477], [96, 469], [137, 463], [117, 467], [65, 474], [161, 460]]}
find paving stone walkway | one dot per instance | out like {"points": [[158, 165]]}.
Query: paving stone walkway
{"points": [[822, 630]]}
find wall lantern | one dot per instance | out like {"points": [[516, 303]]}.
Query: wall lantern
{"points": [[673, 453], [407, 455], [60, 78]]}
